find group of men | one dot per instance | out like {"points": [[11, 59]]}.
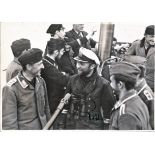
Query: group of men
{"points": [[36, 85]]}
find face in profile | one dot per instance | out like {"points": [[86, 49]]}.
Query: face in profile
{"points": [[79, 27], [35, 68], [114, 85], [61, 33]]}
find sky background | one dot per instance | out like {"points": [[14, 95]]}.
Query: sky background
{"points": [[36, 33]]}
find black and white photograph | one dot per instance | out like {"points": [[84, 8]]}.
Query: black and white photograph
{"points": [[89, 76], [77, 77]]}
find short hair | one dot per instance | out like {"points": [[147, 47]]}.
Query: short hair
{"points": [[128, 84]]}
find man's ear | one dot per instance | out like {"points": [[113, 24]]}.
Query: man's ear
{"points": [[56, 52], [92, 66], [57, 32], [28, 67], [120, 84]]}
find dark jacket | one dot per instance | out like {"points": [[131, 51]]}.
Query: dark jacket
{"points": [[25, 107], [56, 82], [147, 96], [71, 37], [130, 114], [67, 64], [13, 69], [91, 101]]}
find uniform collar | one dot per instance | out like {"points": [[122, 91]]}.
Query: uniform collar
{"points": [[16, 61], [49, 60], [127, 97], [24, 82], [142, 42], [141, 86]]}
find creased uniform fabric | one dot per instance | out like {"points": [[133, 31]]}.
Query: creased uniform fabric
{"points": [[24, 107], [89, 96], [130, 115]]}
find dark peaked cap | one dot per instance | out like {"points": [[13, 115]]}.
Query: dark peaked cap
{"points": [[53, 28], [31, 56], [125, 69]]}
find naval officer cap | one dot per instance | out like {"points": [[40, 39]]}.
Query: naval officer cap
{"points": [[31, 56], [86, 55], [126, 70]]}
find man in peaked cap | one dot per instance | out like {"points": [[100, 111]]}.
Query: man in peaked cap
{"points": [[57, 32], [91, 95], [130, 112], [24, 98], [53, 28], [18, 47]]}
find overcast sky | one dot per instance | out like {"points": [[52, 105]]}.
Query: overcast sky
{"points": [[36, 32]]}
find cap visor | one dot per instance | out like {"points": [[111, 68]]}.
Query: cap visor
{"points": [[78, 59]]}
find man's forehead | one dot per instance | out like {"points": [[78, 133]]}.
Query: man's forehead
{"points": [[83, 63]]}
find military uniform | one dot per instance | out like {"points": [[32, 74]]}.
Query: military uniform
{"points": [[91, 102], [24, 107], [13, 69], [137, 48], [92, 97], [56, 82], [130, 114], [147, 96], [18, 47]]}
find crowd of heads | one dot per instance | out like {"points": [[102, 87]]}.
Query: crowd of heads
{"points": [[86, 60]]}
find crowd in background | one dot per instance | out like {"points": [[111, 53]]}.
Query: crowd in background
{"points": [[115, 94]]}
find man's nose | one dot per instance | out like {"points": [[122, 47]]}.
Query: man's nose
{"points": [[77, 66]]}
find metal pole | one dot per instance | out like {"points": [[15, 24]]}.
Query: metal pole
{"points": [[56, 113], [105, 40]]}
